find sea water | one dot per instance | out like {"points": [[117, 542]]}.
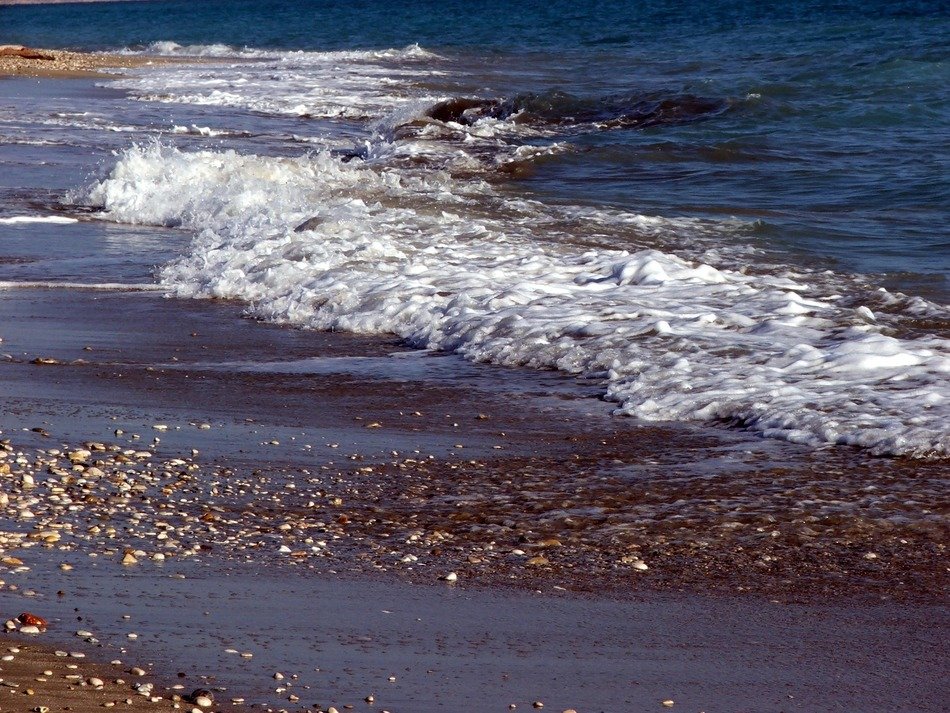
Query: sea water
{"points": [[727, 213]]}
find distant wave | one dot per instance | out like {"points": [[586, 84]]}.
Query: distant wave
{"points": [[169, 48]]}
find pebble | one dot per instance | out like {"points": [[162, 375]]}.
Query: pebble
{"points": [[668, 703], [450, 577]]}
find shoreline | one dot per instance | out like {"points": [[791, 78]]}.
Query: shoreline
{"points": [[20, 61], [472, 483], [308, 493], [340, 640], [331, 554]]}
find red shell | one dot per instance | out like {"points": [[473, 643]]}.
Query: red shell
{"points": [[32, 620]]}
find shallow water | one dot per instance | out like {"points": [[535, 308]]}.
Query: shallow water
{"points": [[652, 207]]}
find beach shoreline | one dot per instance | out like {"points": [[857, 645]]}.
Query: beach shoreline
{"points": [[311, 496], [20, 61], [354, 548]]}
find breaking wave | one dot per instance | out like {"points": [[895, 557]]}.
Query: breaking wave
{"points": [[326, 243], [558, 109]]}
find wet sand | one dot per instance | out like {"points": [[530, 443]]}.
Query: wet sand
{"points": [[36, 677], [421, 649], [502, 477], [348, 477]]}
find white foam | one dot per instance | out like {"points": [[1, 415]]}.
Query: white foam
{"points": [[454, 266], [22, 219], [356, 85], [93, 286], [200, 131]]}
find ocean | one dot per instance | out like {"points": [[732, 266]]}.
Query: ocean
{"points": [[731, 214]]}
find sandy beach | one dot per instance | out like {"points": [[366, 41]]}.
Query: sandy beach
{"points": [[41, 678], [295, 520], [20, 61]]}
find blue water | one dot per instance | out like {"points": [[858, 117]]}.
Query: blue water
{"points": [[833, 142]]}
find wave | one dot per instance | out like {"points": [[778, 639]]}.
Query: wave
{"points": [[170, 48], [324, 243], [560, 109], [393, 95], [354, 85], [206, 131]]}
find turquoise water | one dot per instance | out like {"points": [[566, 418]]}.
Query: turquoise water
{"points": [[832, 141]]}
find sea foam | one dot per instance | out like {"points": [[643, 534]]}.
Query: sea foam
{"points": [[24, 219], [447, 264]]}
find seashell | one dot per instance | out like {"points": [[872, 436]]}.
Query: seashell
{"points": [[32, 620]]}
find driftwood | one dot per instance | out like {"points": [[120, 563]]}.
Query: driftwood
{"points": [[23, 53]]}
